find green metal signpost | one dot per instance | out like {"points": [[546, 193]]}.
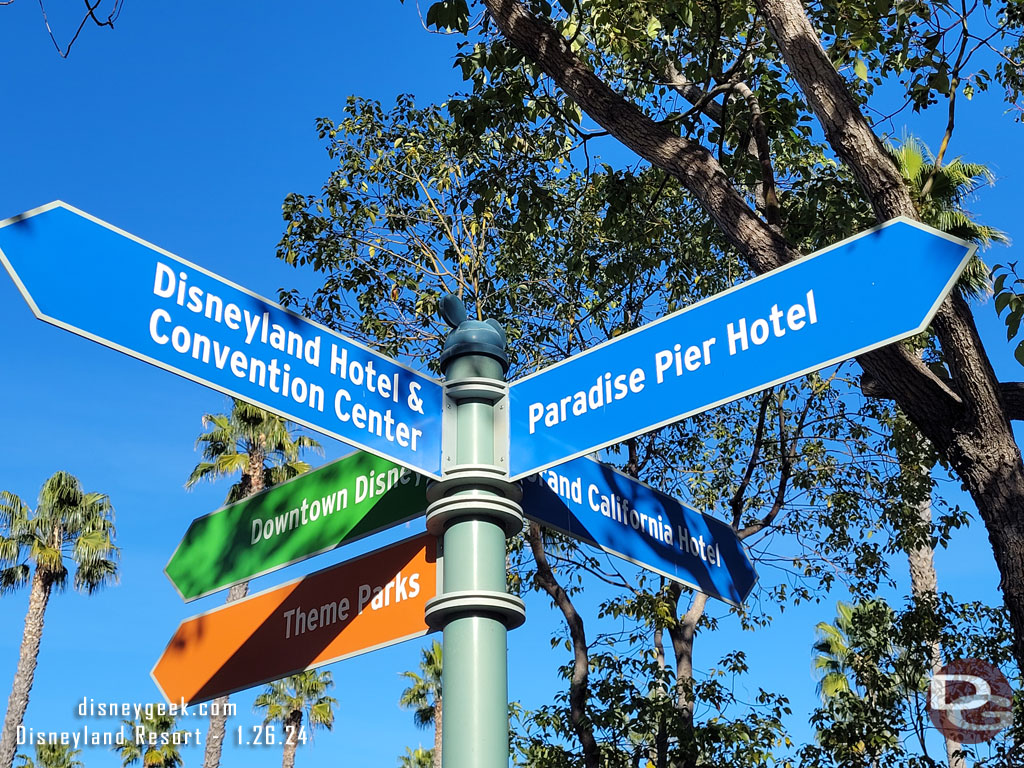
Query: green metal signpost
{"points": [[296, 520], [474, 508]]}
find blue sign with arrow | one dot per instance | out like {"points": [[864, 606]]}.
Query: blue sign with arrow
{"points": [[88, 277], [878, 287], [601, 506]]}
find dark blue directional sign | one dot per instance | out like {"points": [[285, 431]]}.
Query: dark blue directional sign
{"points": [[85, 276], [870, 290], [601, 506]]}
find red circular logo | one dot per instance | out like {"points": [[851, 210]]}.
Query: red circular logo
{"points": [[970, 701]]}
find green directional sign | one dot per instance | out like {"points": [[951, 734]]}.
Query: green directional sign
{"points": [[316, 512]]}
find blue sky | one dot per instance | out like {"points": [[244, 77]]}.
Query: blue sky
{"points": [[187, 126]]}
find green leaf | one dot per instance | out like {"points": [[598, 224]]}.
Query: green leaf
{"points": [[1002, 299], [860, 69], [1019, 353], [1013, 323], [998, 287]]}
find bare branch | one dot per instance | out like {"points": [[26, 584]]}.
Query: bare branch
{"points": [[90, 13]]}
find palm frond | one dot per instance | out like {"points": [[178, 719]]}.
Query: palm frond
{"points": [[949, 187], [246, 436], [14, 577], [303, 693], [13, 512]]}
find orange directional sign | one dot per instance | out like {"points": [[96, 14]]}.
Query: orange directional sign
{"points": [[351, 608]]}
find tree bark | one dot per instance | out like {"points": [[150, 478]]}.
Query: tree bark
{"points": [[437, 730], [967, 422], [682, 634], [841, 119], [292, 728], [659, 754], [977, 440], [28, 657], [657, 143], [219, 707], [924, 585], [579, 679]]}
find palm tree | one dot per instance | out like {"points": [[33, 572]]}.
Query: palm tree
{"points": [[939, 193], [67, 526], [846, 659], [293, 699], [264, 449], [416, 758], [423, 697], [52, 756], [832, 653], [153, 741]]}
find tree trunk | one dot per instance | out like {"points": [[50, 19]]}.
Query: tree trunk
{"points": [[579, 691], [924, 587], [976, 439], [841, 119], [292, 727], [967, 423], [682, 634], [659, 753], [437, 731], [219, 706], [38, 597]]}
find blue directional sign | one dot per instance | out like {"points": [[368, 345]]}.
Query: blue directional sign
{"points": [[862, 293], [601, 506], [88, 277]]}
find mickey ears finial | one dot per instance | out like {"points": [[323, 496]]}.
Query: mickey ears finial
{"points": [[452, 310], [470, 337], [498, 329]]}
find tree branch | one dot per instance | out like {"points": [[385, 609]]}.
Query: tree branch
{"points": [[701, 100], [763, 154], [736, 502], [840, 116], [1012, 395], [691, 163], [682, 633], [578, 682], [90, 13]]}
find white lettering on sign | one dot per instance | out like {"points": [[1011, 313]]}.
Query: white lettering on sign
{"points": [[255, 330], [674, 362], [395, 591], [366, 597], [606, 390], [761, 329], [321, 507], [618, 508]]}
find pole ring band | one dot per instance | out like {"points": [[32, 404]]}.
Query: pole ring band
{"points": [[473, 476], [510, 610], [504, 512], [476, 388]]}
